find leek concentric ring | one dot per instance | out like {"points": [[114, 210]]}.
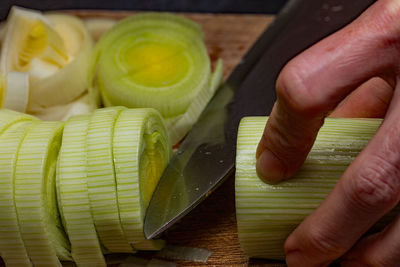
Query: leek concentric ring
{"points": [[154, 61]]}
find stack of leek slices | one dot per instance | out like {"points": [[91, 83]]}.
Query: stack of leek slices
{"points": [[267, 214], [79, 189], [159, 61], [44, 63]]}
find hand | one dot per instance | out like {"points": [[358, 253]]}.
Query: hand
{"points": [[352, 73]]}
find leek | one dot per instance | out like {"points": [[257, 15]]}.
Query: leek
{"points": [[141, 152], [2, 88], [158, 61], [68, 82], [35, 196], [101, 180], [9, 117], [73, 194], [12, 248], [18, 99], [78, 190], [82, 105], [54, 50], [267, 214]]}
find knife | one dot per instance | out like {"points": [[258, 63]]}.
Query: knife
{"points": [[207, 155]]}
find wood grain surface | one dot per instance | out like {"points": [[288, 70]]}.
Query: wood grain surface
{"points": [[212, 225]]}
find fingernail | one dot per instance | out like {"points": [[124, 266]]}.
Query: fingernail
{"points": [[270, 169]]}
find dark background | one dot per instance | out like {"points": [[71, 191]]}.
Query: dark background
{"points": [[209, 6]]}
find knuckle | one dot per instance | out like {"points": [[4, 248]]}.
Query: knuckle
{"points": [[376, 186], [292, 90]]}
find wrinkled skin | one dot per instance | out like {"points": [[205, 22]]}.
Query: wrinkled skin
{"points": [[353, 73]]}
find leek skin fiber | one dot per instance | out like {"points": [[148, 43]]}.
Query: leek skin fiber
{"points": [[156, 61], [267, 214]]}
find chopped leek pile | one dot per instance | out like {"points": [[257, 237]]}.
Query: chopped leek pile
{"points": [[79, 189], [267, 214], [44, 64], [159, 61]]}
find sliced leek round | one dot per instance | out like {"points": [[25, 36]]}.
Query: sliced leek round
{"points": [[53, 49], [73, 194], [178, 126], [70, 81], [102, 186], [152, 60], [141, 151], [12, 248], [27, 35], [35, 195], [267, 214]]}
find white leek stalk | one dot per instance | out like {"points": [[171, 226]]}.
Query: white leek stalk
{"points": [[158, 61], [53, 49], [35, 195], [266, 214]]}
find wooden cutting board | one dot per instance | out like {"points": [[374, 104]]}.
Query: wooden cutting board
{"points": [[212, 225]]}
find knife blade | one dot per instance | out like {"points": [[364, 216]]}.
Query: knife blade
{"points": [[206, 157]]}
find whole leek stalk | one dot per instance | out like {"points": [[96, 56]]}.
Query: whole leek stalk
{"points": [[267, 214], [158, 61]]}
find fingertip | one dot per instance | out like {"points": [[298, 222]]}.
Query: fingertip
{"points": [[270, 168]]}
